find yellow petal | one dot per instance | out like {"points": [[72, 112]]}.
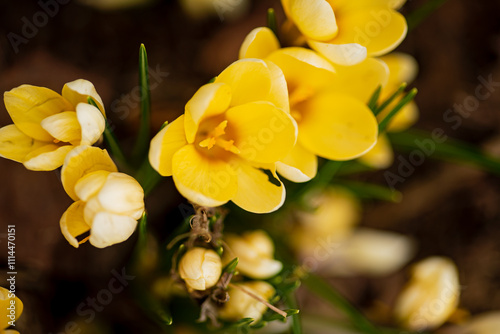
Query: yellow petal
{"points": [[79, 90], [263, 133], [402, 68], [109, 229], [303, 67], [405, 118], [64, 127], [337, 127], [15, 145], [249, 79], [361, 4], [256, 193], [378, 29], [381, 155], [48, 157], [210, 100], [6, 300], [164, 145], [81, 161], [89, 185], [92, 123], [361, 80], [29, 105], [121, 194], [72, 223], [299, 165], [278, 95], [205, 181], [259, 43], [314, 18], [345, 54]]}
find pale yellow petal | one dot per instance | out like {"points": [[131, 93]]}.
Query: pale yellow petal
{"points": [[123, 195], [164, 145], [337, 127], [249, 79], [63, 127], [256, 193], [15, 145], [300, 165], [73, 224], [210, 100], [46, 158], [109, 229], [89, 185], [486, 323], [205, 181], [81, 161], [361, 80], [381, 155], [278, 95], [345, 54], [29, 105], [263, 133], [259, 43], [314, 18], [402, 68], [91, 122], [405, 118], [79, 90], [378, 29], [6, 300], [362, 4]]}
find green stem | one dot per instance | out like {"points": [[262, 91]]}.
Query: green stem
{"points": [[147, 177], [272, 22], [390, 99], [404, 101]]}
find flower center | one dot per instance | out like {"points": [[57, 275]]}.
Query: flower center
{"points": [[213, 138], [297, 96]]}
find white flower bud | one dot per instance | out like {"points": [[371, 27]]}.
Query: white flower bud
{"points": [[200, 268], [241, 305], [255, 251], [431, 295]]}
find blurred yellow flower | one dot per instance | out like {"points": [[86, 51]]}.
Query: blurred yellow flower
{"points": [[200, 9], [241, 305], [255, 253], [327, 102], [48, 125], [486, 323], [430, 297], [232, 130], [347, 31], [402, 68], [11, 309], [107, 203], [200, 268]]}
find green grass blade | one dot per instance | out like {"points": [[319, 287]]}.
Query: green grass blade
{"points": [[147, 177], [143, 136], [447, 149], [420, 14], [372, 103], [404, 101], [391, 98], [272, 23]]}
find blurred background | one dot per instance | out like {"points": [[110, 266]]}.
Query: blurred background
{"points": [[451, 210]]}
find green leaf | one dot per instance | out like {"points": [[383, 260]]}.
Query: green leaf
{"points": [[404, 101], [372, 103], [322, 179], [110, 139], [391, 98], [371, 191], [272, 22], [143, 136], [231, 266], [147, 177], [444, 148], [296, 322], [323, 290], [417, 16]]}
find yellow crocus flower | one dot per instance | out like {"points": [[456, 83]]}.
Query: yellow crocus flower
{"points": [[232, 130], [328, 103], [107, 203], [48, 125], [347, 31], [402, 68], [11, 309]]}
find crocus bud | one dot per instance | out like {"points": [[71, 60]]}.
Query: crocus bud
{"points": [[242, 305], [11, 308], [254, 251], [482, 324], [431, 295], [200, 268]]}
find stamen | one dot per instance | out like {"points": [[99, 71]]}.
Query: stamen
{"points": [[213, 139]]}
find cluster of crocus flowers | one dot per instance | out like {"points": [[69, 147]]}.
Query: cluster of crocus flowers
{"points": [[232, 131], [347, 31], [48, 125], [107, 203], [431, 296], [11, 309]]}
